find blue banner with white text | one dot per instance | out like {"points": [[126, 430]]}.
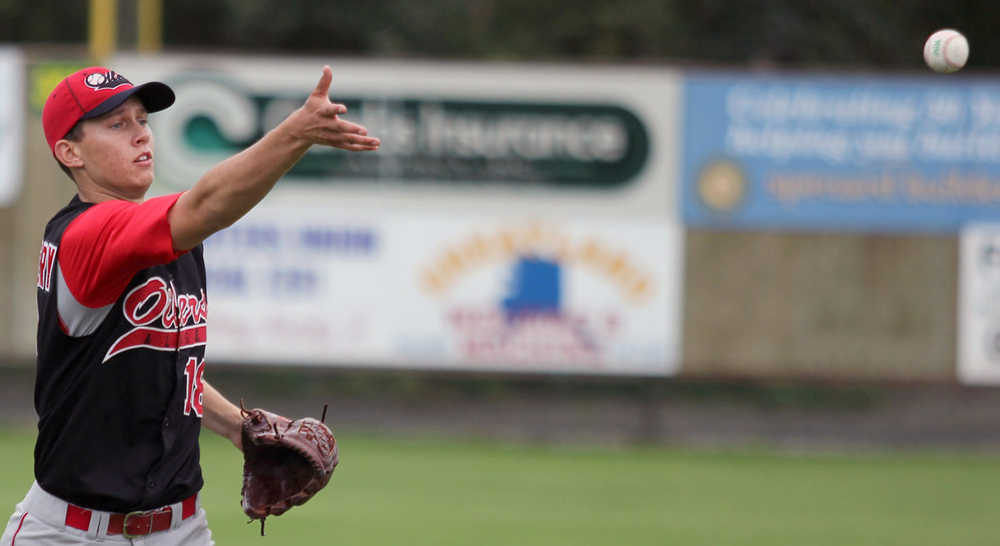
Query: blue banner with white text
{"points": [[855, 153]]}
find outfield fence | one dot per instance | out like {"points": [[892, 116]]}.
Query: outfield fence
{"points": [[571, 219]]}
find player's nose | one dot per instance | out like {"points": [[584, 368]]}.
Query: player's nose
{"points": [[142, 134]]}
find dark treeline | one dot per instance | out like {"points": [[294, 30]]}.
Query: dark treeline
{"points": [[871, 34]]}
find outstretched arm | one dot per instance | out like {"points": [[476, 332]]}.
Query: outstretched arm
{"points": [[230, 189], [222, 416]]}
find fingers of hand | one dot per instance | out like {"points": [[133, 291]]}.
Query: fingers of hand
{"points": [[332, 110], [323, 87], [350, 140], [359, 147], [344, 126]]}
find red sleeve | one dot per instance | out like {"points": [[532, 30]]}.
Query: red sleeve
{"points": [[106, 245]]}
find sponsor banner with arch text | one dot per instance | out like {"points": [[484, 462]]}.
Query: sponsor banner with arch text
{"points": [[466, 293]]}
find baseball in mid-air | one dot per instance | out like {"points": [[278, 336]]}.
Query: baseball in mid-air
{"points": [[946, 50]]}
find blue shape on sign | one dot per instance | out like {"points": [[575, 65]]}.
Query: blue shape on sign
{"points": [[535, 288]]}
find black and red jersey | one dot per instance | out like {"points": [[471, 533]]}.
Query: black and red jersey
{"points": [[121, 348]]}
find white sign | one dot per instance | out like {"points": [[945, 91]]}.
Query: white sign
{"points": [[517, 217], [979, 305], [12, 107], [448, 293], [599, 141]]}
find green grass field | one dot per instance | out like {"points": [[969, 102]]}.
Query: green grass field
{"points": [[445, 492]]}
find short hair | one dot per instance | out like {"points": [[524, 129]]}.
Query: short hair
{"points": [[75, 134]]}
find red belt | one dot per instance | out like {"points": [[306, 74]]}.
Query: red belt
{"points": [[132, 524]]}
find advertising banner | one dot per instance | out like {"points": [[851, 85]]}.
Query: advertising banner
{"points": [[840, 152], [463, 292], [516, 218], [11, 123], [492, 136], [979, 305]]}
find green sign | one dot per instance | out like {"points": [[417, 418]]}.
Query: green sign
{"points": [[428, 140]]}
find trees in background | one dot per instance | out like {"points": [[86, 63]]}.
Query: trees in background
{"points": [[782, 33]]}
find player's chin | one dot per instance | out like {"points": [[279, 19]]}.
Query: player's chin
{"points": [[141, 181]]}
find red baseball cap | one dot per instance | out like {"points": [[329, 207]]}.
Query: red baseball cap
{"points": [[93, 92]]}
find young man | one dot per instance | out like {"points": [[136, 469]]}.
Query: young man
{"points": [[119, 392]]}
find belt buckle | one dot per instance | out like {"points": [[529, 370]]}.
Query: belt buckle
{"points": [[125, 532]]}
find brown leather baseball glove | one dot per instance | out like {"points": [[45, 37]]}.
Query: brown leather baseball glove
{"points": [[285, 462]]}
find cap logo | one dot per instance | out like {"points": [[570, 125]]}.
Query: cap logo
{"points": [[107, 80]]}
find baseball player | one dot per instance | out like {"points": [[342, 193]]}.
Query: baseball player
{"points": [[122, 311]]}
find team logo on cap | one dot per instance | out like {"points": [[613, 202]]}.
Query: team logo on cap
{"points": [[107, 80]]}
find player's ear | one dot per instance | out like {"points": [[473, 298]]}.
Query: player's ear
{"points": [[67, 152]]}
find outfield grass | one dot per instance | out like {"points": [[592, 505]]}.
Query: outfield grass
{"points": [[443, 492]]}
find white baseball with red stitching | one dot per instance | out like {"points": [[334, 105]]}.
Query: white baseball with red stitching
{"points": [[946, 50]]}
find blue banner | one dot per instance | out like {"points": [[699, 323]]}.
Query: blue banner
{"points": [[840, 152]]}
